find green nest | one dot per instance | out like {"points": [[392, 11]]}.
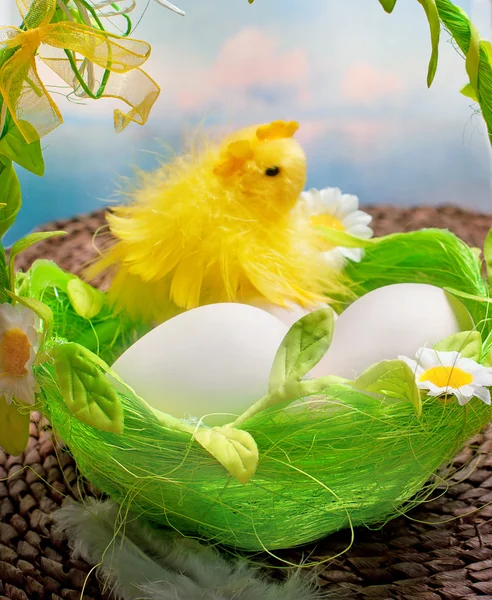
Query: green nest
{"points": [[344, 458]]}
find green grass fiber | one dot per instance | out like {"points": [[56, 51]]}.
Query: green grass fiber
{"points": [[342, 460]]}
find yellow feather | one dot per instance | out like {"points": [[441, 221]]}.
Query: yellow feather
{"points": [[217, 225]]}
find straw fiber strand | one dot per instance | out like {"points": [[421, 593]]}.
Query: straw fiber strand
{"points": [[443, 551]]}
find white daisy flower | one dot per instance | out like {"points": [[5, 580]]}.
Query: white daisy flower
{"points": [[333, 209], [19, 342], [449, 373]]}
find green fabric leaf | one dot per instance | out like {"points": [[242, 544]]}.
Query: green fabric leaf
{"points": [[10, 195], [4, 277], [44, 273], [25, 243], [86, 390], [345, 240], [86, 300], [236, 450], [469, 92], [14, 428], [467, 343], [487, 360], [472, 60], [487, 253], [388, 5], [391, 379], [435, 29], [14, 147], [302, 348]]}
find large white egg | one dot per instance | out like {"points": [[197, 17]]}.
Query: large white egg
{"points": [[212, 359], [289, 314], [391, 321]]}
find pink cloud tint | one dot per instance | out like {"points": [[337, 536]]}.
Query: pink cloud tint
{"points": [[365, 83], [250, 58]]}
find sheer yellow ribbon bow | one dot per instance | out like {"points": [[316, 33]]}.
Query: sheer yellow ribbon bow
{"points": [[31, 106]]}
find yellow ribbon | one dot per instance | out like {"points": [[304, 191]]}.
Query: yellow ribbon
{"points": [[31, 106]]}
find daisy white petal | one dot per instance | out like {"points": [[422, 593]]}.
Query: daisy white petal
{"points": [[353, 254], [483, 377], [334, 258], [483, 394], [357, 218], [349, 205], [426, 358], [360, 231], [411, 363]]}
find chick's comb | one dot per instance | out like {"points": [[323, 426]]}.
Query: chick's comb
{"points": [[277, 130], [233, 158]]}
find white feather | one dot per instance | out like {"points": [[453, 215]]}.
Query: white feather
{"points": [[139, 562]]}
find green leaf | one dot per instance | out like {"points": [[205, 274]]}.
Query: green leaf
{"points": [[469, 92], [25, 243], [4, 277], [86, 300], [46, 273], [391, 379], [467, 343], [10, 195], [86, 390], [14, 428], [467, 296], [472, 60], [342, 239], [40, 309], [487, 253], [388, 5], [236, 450], [302, 348], [487, 360], [435, 29], [14, 147]]}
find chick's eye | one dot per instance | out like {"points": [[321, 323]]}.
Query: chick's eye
{"points": [[272, 171]]}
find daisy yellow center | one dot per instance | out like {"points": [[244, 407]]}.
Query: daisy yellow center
{"points": [[15, 351], [327, 221], [447, 377]]}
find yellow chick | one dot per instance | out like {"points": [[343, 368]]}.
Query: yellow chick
{"points": [[218, 226]]}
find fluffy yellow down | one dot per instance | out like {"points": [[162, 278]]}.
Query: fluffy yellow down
{"points": [[218, 225]]}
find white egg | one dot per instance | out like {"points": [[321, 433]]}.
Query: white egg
{"points": [[391, 321], [289, 314], [212, 359]]}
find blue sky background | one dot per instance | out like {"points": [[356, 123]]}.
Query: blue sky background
{"points": [[353, 76]]}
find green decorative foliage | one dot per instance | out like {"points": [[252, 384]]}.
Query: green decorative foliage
{"points": [[10, 195], [85, 388], [14, 428], [236, 450], [487, 253], [14, 147], [86, 300], [435, 31], [388, 5], [432, 256], [25, 243], [345, 240], [4, 277], [302, 348], [391, 379], [467, 343], [469, 92]]}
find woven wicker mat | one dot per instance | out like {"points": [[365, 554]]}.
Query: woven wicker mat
{"points": [[443, 551]]}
